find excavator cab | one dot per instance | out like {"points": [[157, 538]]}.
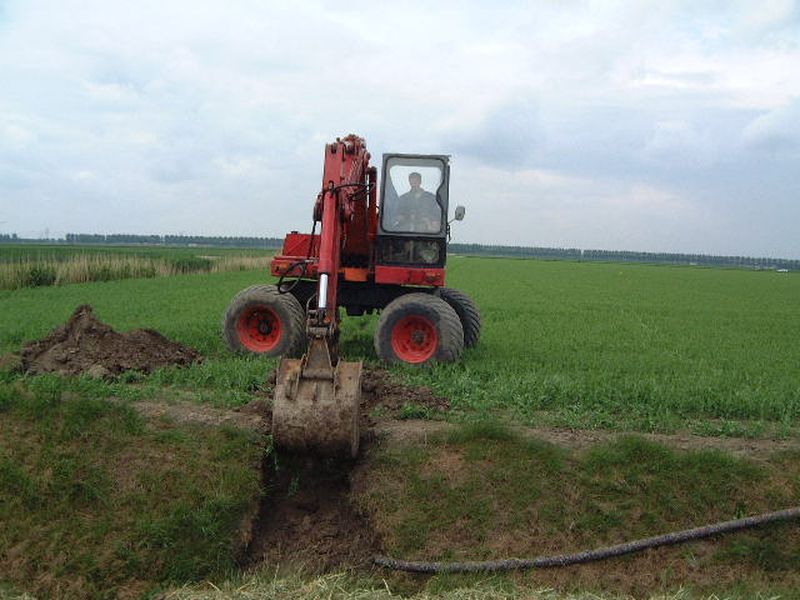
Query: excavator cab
{"points": [[413, 214]]}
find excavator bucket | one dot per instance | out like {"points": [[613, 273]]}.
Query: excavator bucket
{"points": [[316, 405]]}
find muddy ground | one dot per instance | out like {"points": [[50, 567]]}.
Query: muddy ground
{"points": [[84, 344]]}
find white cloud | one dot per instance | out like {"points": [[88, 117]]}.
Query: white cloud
{"points": [[84, 176], [213, 119], [15, 134], [678, 142], [776, 131]]}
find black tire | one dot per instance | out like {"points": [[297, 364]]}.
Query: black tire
{"points": [[434, 314], [467, 312], [261, 306]]}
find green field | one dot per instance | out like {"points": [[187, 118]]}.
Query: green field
{"points": [[630, 347], [577, 346]]}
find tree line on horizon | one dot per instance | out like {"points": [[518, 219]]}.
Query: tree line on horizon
{"points": [[576, 254]]}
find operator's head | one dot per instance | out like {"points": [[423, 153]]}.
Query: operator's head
{"points": [[415, 181]]}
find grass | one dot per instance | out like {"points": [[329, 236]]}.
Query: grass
{"points": [[609, 346], [633, 347], [485, 492], [94, 501], [606, 346]]}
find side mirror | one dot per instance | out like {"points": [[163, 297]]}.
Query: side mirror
{"points": [[460, 210]]}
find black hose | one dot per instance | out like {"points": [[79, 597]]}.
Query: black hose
{"points": [[303, 264], [285, 288], [563, 560]]}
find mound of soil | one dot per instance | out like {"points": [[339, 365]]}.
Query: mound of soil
{"points": [[86, 345], [379, 391]]}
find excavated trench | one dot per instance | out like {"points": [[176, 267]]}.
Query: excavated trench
{"points": [[309, 516]]}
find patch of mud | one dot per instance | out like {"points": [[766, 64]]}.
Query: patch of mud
{"points": [[752, 448], [308, 519], [84, 344]]}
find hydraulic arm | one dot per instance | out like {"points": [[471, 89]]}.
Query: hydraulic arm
{"points": [[317, 397]]}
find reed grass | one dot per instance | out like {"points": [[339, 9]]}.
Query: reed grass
{"points": [[84, 268]]}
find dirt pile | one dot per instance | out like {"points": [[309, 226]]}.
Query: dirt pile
{"points": [[86, 345], [379, 391]]}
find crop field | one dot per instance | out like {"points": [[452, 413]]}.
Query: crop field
{"points": [[566, 347]]}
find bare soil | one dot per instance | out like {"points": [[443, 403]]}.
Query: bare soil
{"points": [[759, 449], [84, 344], [310, 515], [379, 391], [254, 416]]}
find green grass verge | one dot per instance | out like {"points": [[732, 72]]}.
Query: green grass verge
{"points": [[94, 501], [484, 493]]}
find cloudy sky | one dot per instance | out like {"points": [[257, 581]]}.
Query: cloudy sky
{"points": [[656, 126]]}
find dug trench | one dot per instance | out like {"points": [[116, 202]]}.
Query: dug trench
{"points": [[309, 516]]}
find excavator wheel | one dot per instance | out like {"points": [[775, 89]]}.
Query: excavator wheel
{"points": [[259, 320], [419, 329], [467, 312]]}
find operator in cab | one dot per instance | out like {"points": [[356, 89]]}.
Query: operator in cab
{"points": [[417, 209]]}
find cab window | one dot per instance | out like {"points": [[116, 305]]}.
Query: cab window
{"points": [[411, 203]]}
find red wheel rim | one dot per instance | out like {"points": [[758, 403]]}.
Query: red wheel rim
{"points": [[259, 328], [414, 339]]}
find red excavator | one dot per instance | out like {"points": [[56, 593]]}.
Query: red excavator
{"points": [[386, 256]]}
